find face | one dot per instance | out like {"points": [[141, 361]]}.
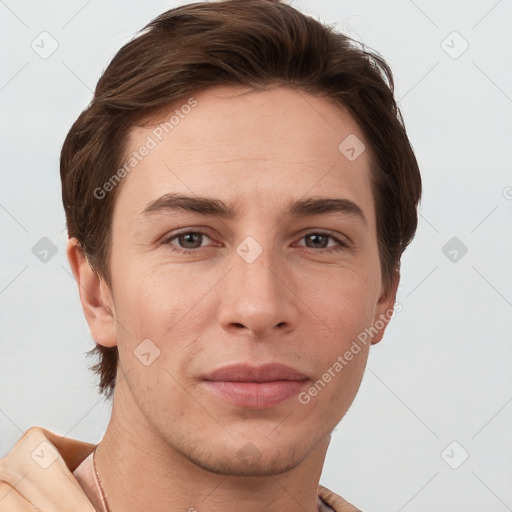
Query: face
{"points": [[273, 271]]}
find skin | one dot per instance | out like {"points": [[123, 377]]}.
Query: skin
{"points": [[296, 303]]}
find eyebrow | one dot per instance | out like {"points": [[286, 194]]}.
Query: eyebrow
{"points": [[217, 208]]}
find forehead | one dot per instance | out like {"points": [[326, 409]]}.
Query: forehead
{"points": [[256, 145]]}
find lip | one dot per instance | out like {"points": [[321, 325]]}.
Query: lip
{"points": [[268, 372], [252, 387]]}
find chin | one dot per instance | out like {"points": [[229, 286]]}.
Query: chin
{"points": [[249, 461]]}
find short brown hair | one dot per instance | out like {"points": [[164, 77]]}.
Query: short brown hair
{"points": [[255, 43]]}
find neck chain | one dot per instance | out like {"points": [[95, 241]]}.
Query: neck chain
{"points": [[103, 497]]}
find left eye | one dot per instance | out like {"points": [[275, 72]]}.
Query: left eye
{"points": [[189, 238], [322, 239]]}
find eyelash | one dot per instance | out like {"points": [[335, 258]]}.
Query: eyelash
{"points": [[340, 247]]}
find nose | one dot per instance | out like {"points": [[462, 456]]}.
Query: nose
{"points": [[259, 297]]}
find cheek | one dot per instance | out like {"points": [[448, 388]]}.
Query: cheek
{"points": [[343, 311], [342, 301], [330, 395], [153, 297], [166, 307], [344, 349], [158, 327]]}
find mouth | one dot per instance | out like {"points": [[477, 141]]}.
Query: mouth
{"points": [[252, 387]]}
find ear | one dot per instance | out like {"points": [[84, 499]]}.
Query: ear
{"points": [[95, 296], [385, 309]]}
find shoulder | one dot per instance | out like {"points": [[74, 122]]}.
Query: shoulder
{"points": [[12, 501]]}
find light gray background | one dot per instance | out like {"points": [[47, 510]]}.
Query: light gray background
{"points": [[442, 372]]}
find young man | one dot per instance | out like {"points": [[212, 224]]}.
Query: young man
{"points": [[238, 195]]}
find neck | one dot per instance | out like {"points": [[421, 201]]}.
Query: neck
{"points": [[139, 470]]}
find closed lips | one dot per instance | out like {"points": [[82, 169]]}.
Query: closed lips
{"points": [[269, 372]]}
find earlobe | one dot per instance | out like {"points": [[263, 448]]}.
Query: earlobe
{"points": [[95, 296], [385, 309]]}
